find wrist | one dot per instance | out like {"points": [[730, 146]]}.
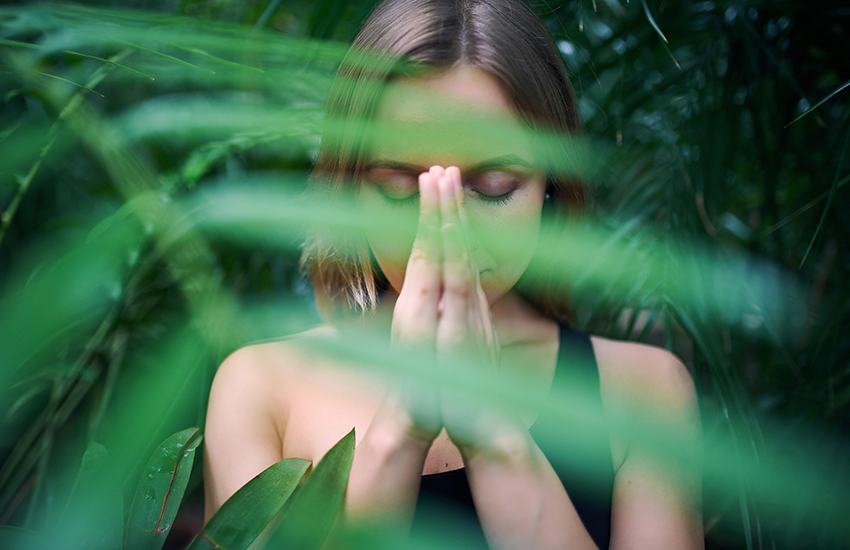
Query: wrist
{"points": [[503, 442], [391, 433]]}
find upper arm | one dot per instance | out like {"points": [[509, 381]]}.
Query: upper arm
{"points": [[657, 488], [241, 436]]}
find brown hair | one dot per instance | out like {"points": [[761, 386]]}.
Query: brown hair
{"points": [[502, 37]]}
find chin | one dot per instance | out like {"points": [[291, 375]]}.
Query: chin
{"points": [[496, 289]]}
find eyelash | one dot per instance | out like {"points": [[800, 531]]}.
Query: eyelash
{"points": [[399, 203], [498, 200]]}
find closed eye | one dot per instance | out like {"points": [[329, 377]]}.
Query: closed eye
{"points": [[495, 199], [397, 187], [399, 203], [494, 186]]}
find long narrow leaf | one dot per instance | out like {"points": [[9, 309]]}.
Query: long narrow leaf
{"points": [[243, 516], [160, 491], [309, 519]]}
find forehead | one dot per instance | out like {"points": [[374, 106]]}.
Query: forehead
{"points": [[460, 117]]}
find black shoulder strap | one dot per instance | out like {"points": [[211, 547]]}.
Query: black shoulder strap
{"points": [[572, 434]]}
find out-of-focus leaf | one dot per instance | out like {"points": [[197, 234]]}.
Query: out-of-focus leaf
{"points": [[160, 491], [12, 538], [309, 519], [94, 514], [245, 514]]}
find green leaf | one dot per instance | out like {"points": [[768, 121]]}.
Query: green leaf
{"points": [[244, 515], [12, 538], [94, 513], [160, 491], [313, 510]]}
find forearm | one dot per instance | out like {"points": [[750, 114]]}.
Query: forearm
{"points": [[519, 498], [385, 474]]}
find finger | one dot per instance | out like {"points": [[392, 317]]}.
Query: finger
{"points": [[437, 171], [454, 323], [415, 315], [426, 245]]}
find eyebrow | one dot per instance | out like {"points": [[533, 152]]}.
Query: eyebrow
{"points": [[504, 161], [393, 165]]}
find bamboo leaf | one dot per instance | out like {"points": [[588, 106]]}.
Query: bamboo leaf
{"points": [[160, 491], [245, 514], [309, 519]]}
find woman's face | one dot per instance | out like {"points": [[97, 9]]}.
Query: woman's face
{"points": [[460, 118]]}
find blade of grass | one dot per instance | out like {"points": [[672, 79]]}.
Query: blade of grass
{"points": [[829, 199], [18, 44], [119, 65], [211, 57], [819, 103], [71, 82], [657, 29], [170, 58]]}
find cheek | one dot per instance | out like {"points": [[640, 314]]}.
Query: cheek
{"points": [[390, 232], [509, 241]]}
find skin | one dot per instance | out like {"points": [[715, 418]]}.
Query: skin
{"points": [[452, 297]]}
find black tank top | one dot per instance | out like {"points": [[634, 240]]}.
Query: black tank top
{"points": [[445, 510]]}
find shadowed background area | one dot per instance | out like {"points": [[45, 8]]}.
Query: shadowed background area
{"points": [[152, 170]]}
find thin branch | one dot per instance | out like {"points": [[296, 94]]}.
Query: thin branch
{"points": [[76, 100]]}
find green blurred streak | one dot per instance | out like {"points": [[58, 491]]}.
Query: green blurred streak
{"points": [[586, 258], [157, 394], [14, 538], [703, 287], [94, 513], [198, 118], [85, 27], [72, 289], [776, 482]]}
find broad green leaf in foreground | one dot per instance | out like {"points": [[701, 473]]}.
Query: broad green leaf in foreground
{"points": [[245, 514], [160, 491], [309, 519]]}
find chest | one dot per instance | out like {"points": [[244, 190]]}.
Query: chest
{"points": [[327, 403]]}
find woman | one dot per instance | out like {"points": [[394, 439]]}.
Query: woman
{"points": [[449, 286]]}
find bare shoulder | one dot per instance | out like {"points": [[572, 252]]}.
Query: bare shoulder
{"points": [[651, 371], [269, 367], [247, 415], [643, 385]]}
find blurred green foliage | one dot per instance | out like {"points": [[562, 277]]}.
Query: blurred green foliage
{"points": [[151, 165]]}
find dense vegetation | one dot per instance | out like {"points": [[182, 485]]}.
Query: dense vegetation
{"points": [[151, 165]]}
